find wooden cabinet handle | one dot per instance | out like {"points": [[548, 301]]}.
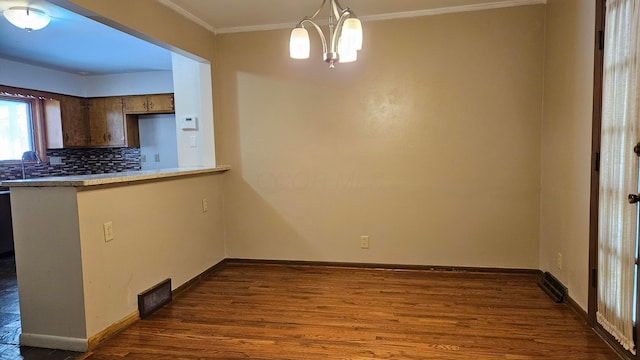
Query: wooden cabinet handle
{"points": [[104, 137], [66, 136]]}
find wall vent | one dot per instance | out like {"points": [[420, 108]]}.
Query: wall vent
{"points": [[553, 287], [154, 298]]}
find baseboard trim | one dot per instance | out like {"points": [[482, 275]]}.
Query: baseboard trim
{"points": [[184, 287], [112, 330], [54, 342], [385, 266], [129, 320], [574, 305]]}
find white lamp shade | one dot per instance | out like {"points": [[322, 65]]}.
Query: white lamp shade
{"points": [[299, 45], [27, 18], [346, 54], [352, 33]]}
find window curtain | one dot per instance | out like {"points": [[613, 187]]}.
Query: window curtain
{"points": [[619, 171]]}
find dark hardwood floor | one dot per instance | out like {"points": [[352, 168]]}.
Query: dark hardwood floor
{"points": [[270, 311]]}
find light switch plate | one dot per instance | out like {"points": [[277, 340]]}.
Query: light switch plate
{"points": [[108, 231], [364, 242]]}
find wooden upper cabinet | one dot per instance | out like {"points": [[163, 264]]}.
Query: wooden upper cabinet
{"points": [[149, 104], [160, 103], [66, 122], [97, 122], [135, 104], [115, 121], [108, 124]]}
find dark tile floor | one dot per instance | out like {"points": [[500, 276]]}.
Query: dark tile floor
{"points": [[10, 321]]}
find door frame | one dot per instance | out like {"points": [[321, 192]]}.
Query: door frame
{"points": [[598, 69]]}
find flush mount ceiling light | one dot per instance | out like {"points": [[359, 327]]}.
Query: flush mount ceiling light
{"points": [[27, 18], [345, 36]]}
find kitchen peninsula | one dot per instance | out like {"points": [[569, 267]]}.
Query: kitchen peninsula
{"points": [[87, 245]]}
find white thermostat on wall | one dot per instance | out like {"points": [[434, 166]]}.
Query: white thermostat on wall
{"points": [[190, 123]]}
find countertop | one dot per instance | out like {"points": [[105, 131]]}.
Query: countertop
{"points": [[112, 178]]}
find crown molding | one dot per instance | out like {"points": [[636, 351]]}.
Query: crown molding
{"points": [[453, 9], [180, 10], [390, 16], [265, 27]]}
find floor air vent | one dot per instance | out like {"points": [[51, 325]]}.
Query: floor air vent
{"points": [[553, 287], [154, 298]]}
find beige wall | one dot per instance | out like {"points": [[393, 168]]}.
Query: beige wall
{"points": [[432, 147], [160, 232], [73, 284], [566, 143], [429, 144]]}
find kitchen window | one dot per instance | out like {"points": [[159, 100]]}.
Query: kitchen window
{"points": [[16, 130], [20, 127]]}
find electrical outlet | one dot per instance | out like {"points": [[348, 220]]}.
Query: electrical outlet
{"points": [[205, 205], [559, 261], [108, 231], [143, 158], [55, 160], [364, 242], [156, 157]]}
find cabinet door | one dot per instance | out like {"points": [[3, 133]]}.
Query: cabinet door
{"points": [[66, 122], [135, 104], [114, 117], [97, 121], [160, 103], [75, 128], [53, 124]]}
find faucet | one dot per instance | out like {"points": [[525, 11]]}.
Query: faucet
{"points": [[29, 156]]}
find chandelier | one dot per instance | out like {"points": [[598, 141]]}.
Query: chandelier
{"points": [[343, 42]]}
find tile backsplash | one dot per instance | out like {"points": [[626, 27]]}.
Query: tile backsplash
{"points": [[78, 161]]}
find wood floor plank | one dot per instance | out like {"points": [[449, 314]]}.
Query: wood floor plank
{"points": [[274, 311]]}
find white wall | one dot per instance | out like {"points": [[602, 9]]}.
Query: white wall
{"points": [[49, 267], [21, 75], [192, 91], [151, 82], [158, 137], [566, 143]]}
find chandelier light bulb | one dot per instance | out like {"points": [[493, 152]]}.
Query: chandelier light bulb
{"points": [[345, 53], [27, 18], [299, 45], [352, 33]]}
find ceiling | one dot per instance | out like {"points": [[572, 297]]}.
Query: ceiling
{"points": [[76, 44]]}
